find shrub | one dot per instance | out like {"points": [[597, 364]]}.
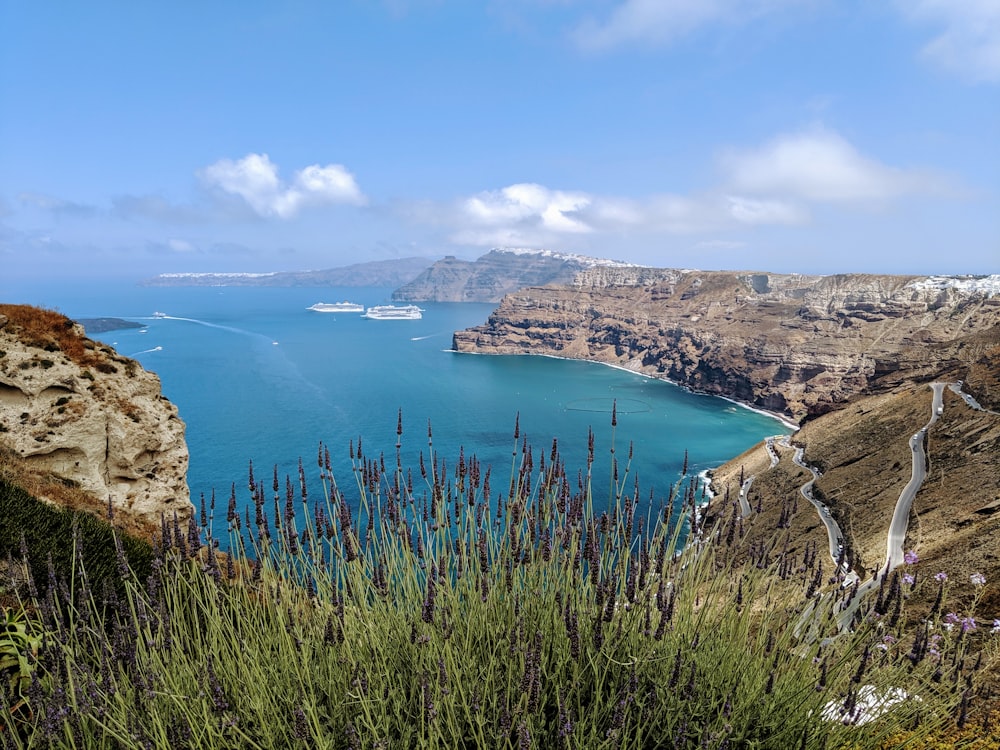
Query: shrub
{"points": [[430, 612]]}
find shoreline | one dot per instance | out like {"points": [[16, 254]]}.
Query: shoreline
{"points": [[785, 421], [706, 476]]}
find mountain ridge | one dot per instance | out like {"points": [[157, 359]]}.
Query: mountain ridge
{"points": [[371, 273], [503, 270]]}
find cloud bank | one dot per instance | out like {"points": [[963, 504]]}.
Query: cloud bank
{"points": [[777, 183], [818, 166], [254, 178], [969, 45], [660, 22]]}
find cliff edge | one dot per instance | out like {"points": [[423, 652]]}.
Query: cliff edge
{"points": [[76, 409], [503, 270], [791, 344]]}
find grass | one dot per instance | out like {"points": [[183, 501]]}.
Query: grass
{"points": [[426, 608], [53, 331], [59, 492]]}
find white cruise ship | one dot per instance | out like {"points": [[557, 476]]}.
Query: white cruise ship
{"points": [[393, 312], [337, 307]]}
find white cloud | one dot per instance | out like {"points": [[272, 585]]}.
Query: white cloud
{"points": [[751, 211], [528, 214], [969, 45], [818, 166], [778, 183], [180, 246], [530, 205], [254, 178], [660, 22]]}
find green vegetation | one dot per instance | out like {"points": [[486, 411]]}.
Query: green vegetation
{"points": [[44, 534], [429, 609]]}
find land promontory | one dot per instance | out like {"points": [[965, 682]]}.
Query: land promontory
{"points": [[855, 360], [503, 270], [75, 410], [795, 345]]}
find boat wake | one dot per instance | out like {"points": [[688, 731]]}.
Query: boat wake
{"points": [[231, 329], [147, 351], [280, 360]]}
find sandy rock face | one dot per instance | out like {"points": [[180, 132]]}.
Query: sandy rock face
{"points": [[102, 423], [798, 345]]}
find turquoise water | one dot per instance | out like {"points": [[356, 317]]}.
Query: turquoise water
{"points": [[255, 375]]}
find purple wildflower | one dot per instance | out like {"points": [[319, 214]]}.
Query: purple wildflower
{"points": [[968, 624], [908, 578], [978, 579], [941, 577], [910, 558], [996, 627]]}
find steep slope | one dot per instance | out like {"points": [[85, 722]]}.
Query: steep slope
{"points": [[74, 408], [850, 357], [487, 279], [864, 460], [796, 345]]}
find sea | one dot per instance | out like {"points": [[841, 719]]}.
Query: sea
{"points": [[256, 376]]}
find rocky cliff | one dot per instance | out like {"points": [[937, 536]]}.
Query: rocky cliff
{"points": [[75, 408], [852, 357], [791, 344], [501, 271]]}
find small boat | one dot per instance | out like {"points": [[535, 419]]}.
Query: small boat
{"points": [[335, 307], [393, 312], [159, 314]]}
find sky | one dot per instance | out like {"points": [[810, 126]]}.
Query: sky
{"points": [[811, 136]]}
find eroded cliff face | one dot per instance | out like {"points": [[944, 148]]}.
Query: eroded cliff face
{"points": [[797, 345], [488, 278], [77, 409]]}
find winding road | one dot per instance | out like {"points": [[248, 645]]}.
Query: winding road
{"points": [[901, 514], [898, 526], [834, 535], [956, 388]]}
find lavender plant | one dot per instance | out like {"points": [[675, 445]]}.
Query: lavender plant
{"points": [[429, 609]]}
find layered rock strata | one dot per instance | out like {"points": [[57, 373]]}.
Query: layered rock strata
{"points": [[74, 407], [500, 271], [792, 344]]}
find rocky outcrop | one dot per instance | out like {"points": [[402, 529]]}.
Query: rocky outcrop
{"points": [[792, 344], [501, 271], [74, 407]]}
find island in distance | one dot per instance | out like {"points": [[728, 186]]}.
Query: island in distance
{"points": [[499, 272], [392, 273]]}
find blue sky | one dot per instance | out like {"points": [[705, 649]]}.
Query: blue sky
{"points": [[820, 136]]}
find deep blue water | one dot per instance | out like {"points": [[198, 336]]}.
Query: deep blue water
{"points": [[255, 375]]}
